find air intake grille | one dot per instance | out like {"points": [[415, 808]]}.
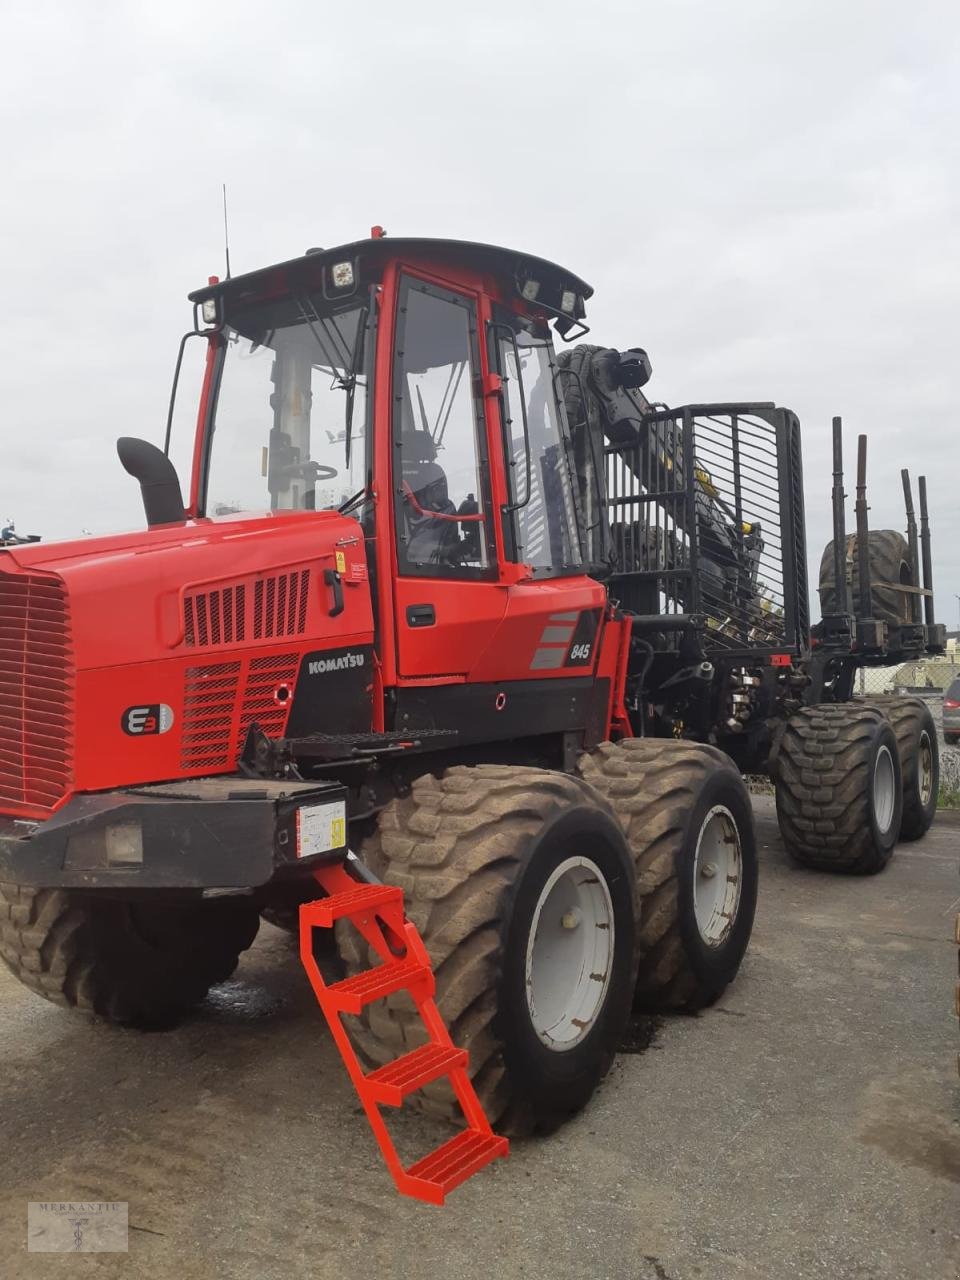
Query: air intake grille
{"points": [[217, 715], [280, 605], [215, 617], [255, 608], [36, 694]]}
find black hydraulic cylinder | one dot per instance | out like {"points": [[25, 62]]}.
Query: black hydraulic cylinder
{"points": [[865, 609], [925, 552], [912, 543], [839, 522]]}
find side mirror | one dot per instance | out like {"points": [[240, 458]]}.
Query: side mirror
{"points": [[159, 485]]}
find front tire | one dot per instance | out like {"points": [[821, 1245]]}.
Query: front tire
{"points": [[520, 883], [688, 821], [837, 773], [136, 963]]}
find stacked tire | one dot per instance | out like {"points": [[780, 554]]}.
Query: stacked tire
{"points": [[888, 556]]}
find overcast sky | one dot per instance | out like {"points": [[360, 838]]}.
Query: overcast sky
{"points": [[763, 194]]}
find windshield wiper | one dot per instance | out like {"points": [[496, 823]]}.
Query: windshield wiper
{"points": [[338, 359], [361, 497]]}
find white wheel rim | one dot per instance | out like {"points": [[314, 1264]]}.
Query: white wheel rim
{"points": [[717, 876], [926, 769], [570, 954], [884, 789]]}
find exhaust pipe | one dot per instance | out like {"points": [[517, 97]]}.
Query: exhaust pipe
{"points": [[159, 484]]}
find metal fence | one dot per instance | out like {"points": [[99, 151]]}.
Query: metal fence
{"points": [[927, 679]]}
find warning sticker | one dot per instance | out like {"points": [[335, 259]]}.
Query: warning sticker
{"points": [[341, 562], [358, 571], [321, 827]]}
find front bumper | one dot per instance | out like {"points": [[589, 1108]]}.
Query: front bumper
{"points": [[212, 833]]}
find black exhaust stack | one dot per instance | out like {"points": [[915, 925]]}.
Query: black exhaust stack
{"points": [[159, 484]]}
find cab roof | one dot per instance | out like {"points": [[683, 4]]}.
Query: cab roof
{"points": [[508, 265]]}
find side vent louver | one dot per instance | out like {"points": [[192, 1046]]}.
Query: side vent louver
{"points": [[222, 699], [255, 609]]}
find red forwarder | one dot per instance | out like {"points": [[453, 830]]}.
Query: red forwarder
{"points": [[484, 616]]}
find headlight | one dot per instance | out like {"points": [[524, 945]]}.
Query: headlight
{"points": [[341, 273]]}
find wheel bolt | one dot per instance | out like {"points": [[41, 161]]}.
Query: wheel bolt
{"points": [[708, 870], [571, 919]]}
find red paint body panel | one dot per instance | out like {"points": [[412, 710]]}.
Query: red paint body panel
{"points": [[125, 591], [531, 607], [468, 615], [254, 593]]}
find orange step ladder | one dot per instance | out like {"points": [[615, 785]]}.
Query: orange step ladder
{"points": [[376, 910]]}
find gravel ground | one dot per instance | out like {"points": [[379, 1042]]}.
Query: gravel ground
{"points": [[805, 1127]]}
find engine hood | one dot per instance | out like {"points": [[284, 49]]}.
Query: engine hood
{"points": [[126, 591]]}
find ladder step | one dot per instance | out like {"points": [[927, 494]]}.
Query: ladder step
{"points": [[352, 994], [390, 1084], [457, 1160], [366, 897]]}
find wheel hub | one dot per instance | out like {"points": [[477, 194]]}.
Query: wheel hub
{"points": [[884, 789], [717, 876], [925, 769], [570, 952]]}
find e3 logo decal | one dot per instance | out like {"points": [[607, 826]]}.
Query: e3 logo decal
{"points": [[139, 722]]}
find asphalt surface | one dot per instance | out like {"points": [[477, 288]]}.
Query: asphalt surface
{"points": [[805, 1127]]}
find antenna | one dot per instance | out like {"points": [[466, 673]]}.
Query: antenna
{"points": [[226, 232]]}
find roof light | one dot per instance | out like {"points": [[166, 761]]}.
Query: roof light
{"points": [[209, 311], [530, 290], [341, 273], [568, 301]]}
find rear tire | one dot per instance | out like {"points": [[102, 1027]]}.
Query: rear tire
{"points": [[474, 852], [680, 804], [141, 964], [919, 749], [837, 773]]}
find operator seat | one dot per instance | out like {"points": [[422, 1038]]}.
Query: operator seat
{"points": [[429, 541]]}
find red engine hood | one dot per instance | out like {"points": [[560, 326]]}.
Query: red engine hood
{"points": [[126, 590]]}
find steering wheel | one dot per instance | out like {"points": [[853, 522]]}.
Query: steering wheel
{"points": [[310, 470]]}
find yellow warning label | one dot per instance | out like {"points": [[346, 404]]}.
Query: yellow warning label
{"points": [[341, 562]]}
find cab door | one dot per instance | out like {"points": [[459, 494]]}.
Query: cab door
{"points": [[449, 599]]}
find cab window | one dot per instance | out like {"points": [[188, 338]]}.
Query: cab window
{"points": [[545, 526], [441, 483]]}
